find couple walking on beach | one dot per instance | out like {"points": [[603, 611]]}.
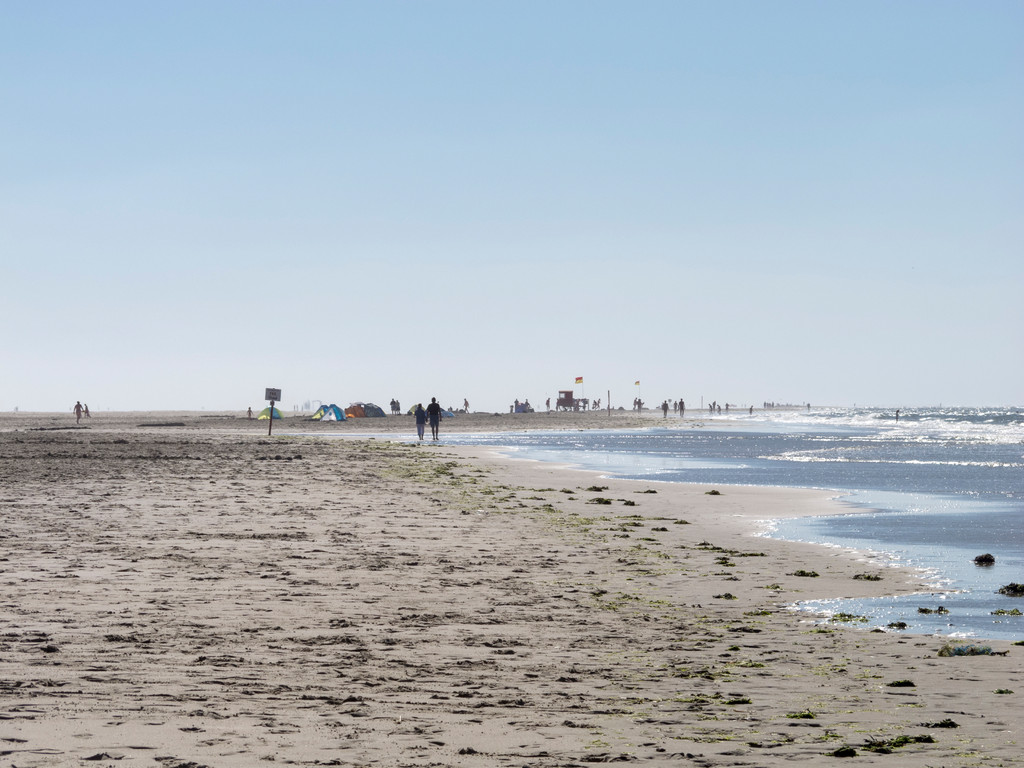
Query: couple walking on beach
{"points": [[83, 410], [431, 414]]}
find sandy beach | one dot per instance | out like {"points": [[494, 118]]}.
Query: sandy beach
{"points": [[185, 591]]}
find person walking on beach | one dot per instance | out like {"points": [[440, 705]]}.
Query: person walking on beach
{"points": [[421, 420], [434, 414], [682, 408], [664, 409], [249, 413], [85, 411], [78, 412]]}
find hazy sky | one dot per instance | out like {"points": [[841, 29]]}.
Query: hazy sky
{"points": [[741, 201]]}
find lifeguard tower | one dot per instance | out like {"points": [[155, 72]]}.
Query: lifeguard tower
{"points": [[568, 402]]}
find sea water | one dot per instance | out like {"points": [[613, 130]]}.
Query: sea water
{"points": [[931, 490]]}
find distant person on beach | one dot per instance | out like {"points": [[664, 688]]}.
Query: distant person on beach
{"points": [[85, 411], [249, 413], [682, 407], [78, 411], [421, 420], [465, 405], [434, 414], [897, 414], [664, 409], [548, 404]]}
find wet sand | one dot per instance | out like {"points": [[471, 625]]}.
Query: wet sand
{"points": [[181, 590]]}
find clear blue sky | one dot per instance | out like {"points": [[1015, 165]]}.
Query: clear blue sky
{"points": [[741, 201]]}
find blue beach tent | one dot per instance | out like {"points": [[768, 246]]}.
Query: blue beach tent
{"points": [[329, 413]]}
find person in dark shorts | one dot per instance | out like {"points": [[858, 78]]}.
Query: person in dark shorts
{"points": [[434, 416]]}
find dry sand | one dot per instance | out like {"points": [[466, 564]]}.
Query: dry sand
{"points": [[206, 595]]}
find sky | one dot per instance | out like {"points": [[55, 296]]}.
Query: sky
{"points": [[349, 201]]}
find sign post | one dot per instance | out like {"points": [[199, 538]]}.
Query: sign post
{"points": [[273, 395]]}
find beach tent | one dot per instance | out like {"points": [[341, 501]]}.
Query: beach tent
{"points": [[329, 413], [265, 413], [359, 410], [444, 414]]}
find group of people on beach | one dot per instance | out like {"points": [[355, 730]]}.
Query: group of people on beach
{"points": [[431, 413], [80, 411]]}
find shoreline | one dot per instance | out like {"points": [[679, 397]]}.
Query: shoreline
{"points": [[208, 595], [778, 502]]}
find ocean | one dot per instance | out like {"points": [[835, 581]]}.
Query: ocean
{"points": [[931, 490]]}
